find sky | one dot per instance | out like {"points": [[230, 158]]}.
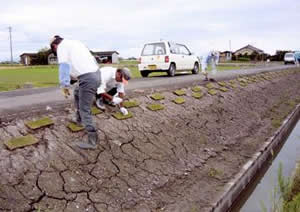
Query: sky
{"points": [[125, 26]]}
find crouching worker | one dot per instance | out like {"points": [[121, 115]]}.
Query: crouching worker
{"points": [[76, 62], [112, 88]]}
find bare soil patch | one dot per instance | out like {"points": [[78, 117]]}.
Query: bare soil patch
{"points": [[175, 159]]}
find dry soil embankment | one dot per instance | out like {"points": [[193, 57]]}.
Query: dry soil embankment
{"points": [[175, 159]]}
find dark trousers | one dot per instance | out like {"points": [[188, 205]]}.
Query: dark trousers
{"points": [[111, 92], [84, 95]]}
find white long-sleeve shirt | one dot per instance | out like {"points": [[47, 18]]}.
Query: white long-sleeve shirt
{"points": [[108, 81], [77, 56]]}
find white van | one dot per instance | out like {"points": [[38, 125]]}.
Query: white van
{"points": [[289, 58], [164, 56]]}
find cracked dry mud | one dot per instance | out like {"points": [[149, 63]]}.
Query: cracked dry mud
{"points": [[176, 159]]}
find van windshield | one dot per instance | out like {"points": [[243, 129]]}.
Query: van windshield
{"points": [[289, 55], [154, 49]]}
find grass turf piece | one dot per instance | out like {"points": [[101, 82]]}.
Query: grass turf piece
{"points": [[180, 92], [241, 80], [232, 85], [196, 89], [155, 107], [243, 84], [223, 84], [130, 104], [74, 127], [197, 95], [95, 110], [44, 122], [120, 116], [21, 142], [157, 96], [179, 100], [212, 92], [210, 85], [223, 89]]}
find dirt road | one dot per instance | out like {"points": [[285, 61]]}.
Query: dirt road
{"points": [[175, 159]]}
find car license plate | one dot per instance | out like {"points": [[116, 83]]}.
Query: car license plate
{"points": [[152, 67]]}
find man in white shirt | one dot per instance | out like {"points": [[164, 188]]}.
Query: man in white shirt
{"points": [[113, 81], [76, 62]]}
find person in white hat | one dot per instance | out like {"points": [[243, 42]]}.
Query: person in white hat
{"points": [[76, 62], [113, 82]]}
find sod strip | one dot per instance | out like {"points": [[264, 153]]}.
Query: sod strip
{"points": [[130, 104], [157, 96], [74, 127], [44, 122], [21, 142], [179, 100], [120, 116], [155, 107]]}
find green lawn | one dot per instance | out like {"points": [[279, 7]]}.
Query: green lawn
{"points": [[14, 77], [39, 76]]}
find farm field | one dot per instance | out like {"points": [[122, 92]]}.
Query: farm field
{"points": [[18, 77]]}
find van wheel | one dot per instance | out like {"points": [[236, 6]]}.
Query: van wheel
{"points": [[145, 73], [172, 70], [195, 69]]}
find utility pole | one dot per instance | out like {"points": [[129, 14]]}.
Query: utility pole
{"points": [[229, 45], [11, 54]]}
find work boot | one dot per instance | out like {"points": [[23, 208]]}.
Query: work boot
{"points": [[91, 142]]}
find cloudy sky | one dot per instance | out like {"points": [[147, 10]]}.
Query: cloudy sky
{"points": [[125, 26]]}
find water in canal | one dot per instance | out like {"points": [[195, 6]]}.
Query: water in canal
{"points": [[262, 189]]}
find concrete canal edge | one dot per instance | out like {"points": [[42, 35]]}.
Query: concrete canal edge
{"points": [[235, 187]]}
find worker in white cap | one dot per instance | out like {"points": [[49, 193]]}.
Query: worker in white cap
{"points": [[113, 82], [76, 62]]}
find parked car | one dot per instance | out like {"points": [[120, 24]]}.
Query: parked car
{"points": [[164, 56], [289, 58]]}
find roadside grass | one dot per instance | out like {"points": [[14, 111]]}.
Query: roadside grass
{"points": [[15, 77], [38, 76]]}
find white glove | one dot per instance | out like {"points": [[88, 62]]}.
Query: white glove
{"points": [[124, 111], [116, 100]]}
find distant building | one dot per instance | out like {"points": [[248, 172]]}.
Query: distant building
{"points": [[225, 56], [106, 56], [101, 57], [250, 52], [52, 59], [26, 58]]}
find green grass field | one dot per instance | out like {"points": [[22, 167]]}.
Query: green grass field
{"points": [[15, 77]]}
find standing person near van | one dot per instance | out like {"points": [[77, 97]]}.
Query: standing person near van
{"points": [[76, 62], [210, 57]]}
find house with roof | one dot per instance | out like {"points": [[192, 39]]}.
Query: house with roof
{"points": [[250, 52], [106, 56], [26, 58], [101, 57], [225, 56]]}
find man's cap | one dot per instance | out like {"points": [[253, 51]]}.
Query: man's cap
{"points": [[54, 38], [126, 73]]}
